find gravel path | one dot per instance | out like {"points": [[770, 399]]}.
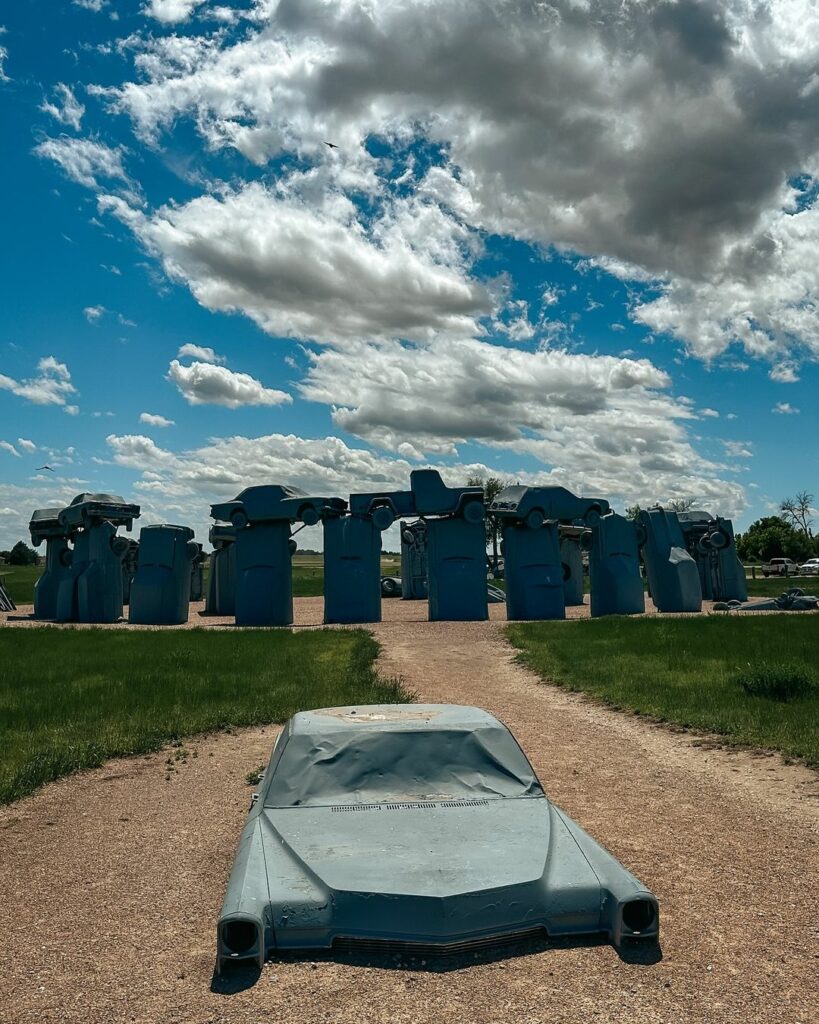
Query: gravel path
{"points": [[112, 880]]}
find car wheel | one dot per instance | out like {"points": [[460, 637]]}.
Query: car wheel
{"points": [[593, 515], [389, 588], [383, 517], [474, 512], [408, 537], [534, 519], [308, 515], [239, 518], [719, 539]]}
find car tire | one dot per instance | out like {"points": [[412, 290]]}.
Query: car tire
{"points": [[239, 518], [408, 537], [389, 588], [719, 540], [534, 519], [474, 512], [593, 515], [308, 515], [383, 517]]}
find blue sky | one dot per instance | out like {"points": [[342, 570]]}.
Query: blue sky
{"points": [[597, 272]]}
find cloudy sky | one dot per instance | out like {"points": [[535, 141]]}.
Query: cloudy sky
{"points": [[567, 241]]}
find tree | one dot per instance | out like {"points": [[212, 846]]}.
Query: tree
{"points": [[772, 537], [22, 554], [633, 511], [680, 504], [797, 512], [492, 486]]}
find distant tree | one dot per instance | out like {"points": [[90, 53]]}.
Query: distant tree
{"points": [[797, 512], [492, 486], [680, 504], [772, 537], [633, 511], [22, 554]]}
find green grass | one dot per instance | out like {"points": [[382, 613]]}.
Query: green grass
{"points": [[71, 698], [19, 581], [751, 680]]}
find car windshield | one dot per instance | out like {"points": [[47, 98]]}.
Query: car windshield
{"points": [[372, 766]]}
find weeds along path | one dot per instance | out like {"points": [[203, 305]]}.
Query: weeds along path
{"points": [[112, 880]]}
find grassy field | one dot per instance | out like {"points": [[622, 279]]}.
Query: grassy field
{"points": [[308, 577], [69, 699], [752, 680]]}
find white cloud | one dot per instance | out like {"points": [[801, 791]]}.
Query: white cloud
{"points": [[709, 413], [738, 449], [91, 5], [200, 352], [4, 56], [28, 446], [85, 160], [785, 409], [155, 420], [309, 267], [6, 446], [66, 108], [206, 384], [51, 386], [785, 373], [93, 314], [662, 140], [170, 12]]}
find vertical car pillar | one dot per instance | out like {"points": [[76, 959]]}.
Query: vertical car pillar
{"points": [[99, 585], [456, 553], [673, 577], [614, 568], [414, 586], [57, 568], [160, 591], [221, 596], [352, 569], [264, 574], [571, 558], [533, 571]]}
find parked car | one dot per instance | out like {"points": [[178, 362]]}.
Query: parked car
{"points": [[810, 568], [780, 567]]}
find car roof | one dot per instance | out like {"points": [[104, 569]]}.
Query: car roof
{"points": [[397, 717]]}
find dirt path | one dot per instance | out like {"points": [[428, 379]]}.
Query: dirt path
{"points": [[111, 882]]}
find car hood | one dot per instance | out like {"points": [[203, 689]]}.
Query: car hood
{"points": [[434, 849]]}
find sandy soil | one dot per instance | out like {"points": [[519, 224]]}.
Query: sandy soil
{"points": [[112, 881]]}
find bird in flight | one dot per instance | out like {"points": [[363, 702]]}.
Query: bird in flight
{"points": [[332, 145], [41, 468]]}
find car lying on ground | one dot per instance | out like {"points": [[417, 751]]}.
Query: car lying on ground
{"points": [[419, 828]]}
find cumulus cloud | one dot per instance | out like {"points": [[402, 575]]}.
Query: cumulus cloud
{"points": [[200, 352], [314, 269], [595, 422], [65, 108], [51, 386], [784, 373], [206, 384], [28, 446], [155, 420], [171, 12], [91, 5], [738, 449], [681, 148], [93, 314], [785, 409], [84, 160], [4, 56], [6, 446]]}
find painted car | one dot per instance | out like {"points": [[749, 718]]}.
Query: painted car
{"points": [[268, 502], [417, 827], [89, 508], [428, 496], [533, 506]]}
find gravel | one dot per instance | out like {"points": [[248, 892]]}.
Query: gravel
{"points": [[112, 880]]}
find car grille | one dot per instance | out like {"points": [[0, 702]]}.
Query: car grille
{"points": [[387, 947]]}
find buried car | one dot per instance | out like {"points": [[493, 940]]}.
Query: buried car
{"points": [[421, 828]]}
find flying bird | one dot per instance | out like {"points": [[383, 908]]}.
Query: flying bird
{"points": [[41, 468], [332, 145]]}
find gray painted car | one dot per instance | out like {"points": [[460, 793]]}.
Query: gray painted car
{"points": [[275, 502], [86, 509], [417, 827], [535, 505]]}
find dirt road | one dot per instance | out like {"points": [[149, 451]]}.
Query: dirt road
{"points": [[112, 881]]}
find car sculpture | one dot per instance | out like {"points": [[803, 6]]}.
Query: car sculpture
{"points": [[276, 501], [86, 509], [534, 505], [429, 496], [415, 827]]}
